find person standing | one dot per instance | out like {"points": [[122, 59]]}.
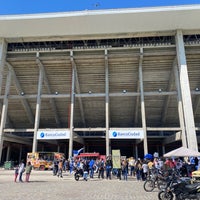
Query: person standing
{"points": [[60, 169], [85, 170], [132, 165], [55, 167], [108, 167], [138, 169], [125, 169], [145, 170], [28, 171], [101, 169], [16, 173], [21, 170], [91, 168]]}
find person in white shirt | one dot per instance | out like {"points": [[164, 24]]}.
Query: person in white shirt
{"points": [[21, 170], [145, 170]]}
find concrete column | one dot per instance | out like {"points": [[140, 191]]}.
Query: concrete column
{"points": [[65, 150], [185, 92], [133, 151], [72, 107], [108, 149], [8, 153], [58, 148], [136, 152], [20, 153], [3, 51], [142, 102], [37, 112], [4, 111], [180, 106], [163, 149]]}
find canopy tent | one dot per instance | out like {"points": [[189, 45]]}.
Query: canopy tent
{"points": [[182, 152]]}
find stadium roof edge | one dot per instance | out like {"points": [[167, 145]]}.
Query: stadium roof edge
{"points": [[101, 22], [99, 12]]}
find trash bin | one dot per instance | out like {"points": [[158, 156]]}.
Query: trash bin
{"points": [[8, 165]]}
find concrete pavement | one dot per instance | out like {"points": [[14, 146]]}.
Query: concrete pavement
{"points": [[44, 186]]}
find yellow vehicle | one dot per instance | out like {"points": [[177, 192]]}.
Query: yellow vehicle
{"points": [[196, 175], [44, 160]]}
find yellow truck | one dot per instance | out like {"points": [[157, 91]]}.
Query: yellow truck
{"points": [[44, 160]]}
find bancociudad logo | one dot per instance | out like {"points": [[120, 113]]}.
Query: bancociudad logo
{"points": [[114, 134], [42, 135]]}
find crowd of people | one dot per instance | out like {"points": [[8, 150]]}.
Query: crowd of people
{"points": [[131, 167]]}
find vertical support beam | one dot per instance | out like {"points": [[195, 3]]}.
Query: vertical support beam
{"points": [[163, 149], [20, 153], [72, 107], [136, 152], [8, 153], [142, 102], [180, 106], [58, 148], [107, 103], [37, 112], [185, 92], [4, 111], [3, 50]]}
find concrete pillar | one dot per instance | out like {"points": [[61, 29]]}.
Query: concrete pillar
{"points": [[58, 148], [142, 102], [3, 50], [136, 152], [20, 153], [4, 111], [185, 92], [108, 151], [180, 106], [163, 149], [8, 153], [72, 107], [37, 112]]}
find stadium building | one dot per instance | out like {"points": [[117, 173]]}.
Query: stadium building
{"points": [[123, 79]]}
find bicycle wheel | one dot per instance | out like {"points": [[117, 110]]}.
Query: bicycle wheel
{"points": [[149, 185], [162, 195]]}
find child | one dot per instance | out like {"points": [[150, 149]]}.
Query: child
{"points": [[16, 173], [28, 171]]}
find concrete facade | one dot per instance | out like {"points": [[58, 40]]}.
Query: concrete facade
{"points": [[95, 73]]}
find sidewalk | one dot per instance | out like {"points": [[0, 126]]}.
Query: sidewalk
{"points": [[44, 186]]}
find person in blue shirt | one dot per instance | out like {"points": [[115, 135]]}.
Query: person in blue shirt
{"points": [[91, 168]]}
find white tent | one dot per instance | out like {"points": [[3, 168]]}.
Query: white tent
{"points": [[182, 152]]}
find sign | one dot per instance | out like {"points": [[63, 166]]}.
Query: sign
{"points": [[126, 134], [116, 159], [52, 135]]}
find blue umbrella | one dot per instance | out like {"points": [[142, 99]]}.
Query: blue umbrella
{"points": [[148, 156]]}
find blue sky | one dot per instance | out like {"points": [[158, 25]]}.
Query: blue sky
{"points": [[8, 7]]}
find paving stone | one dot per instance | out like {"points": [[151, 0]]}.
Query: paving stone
{"points": [[44, 186]]}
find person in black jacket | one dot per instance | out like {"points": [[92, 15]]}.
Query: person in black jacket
{"points": [[101, 169], [85, 170], [108, 167]]}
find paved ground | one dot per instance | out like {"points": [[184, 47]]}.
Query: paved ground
{"points": [[45, 186]]}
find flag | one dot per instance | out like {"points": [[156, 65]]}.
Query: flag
{"points": [[76, 152]]}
